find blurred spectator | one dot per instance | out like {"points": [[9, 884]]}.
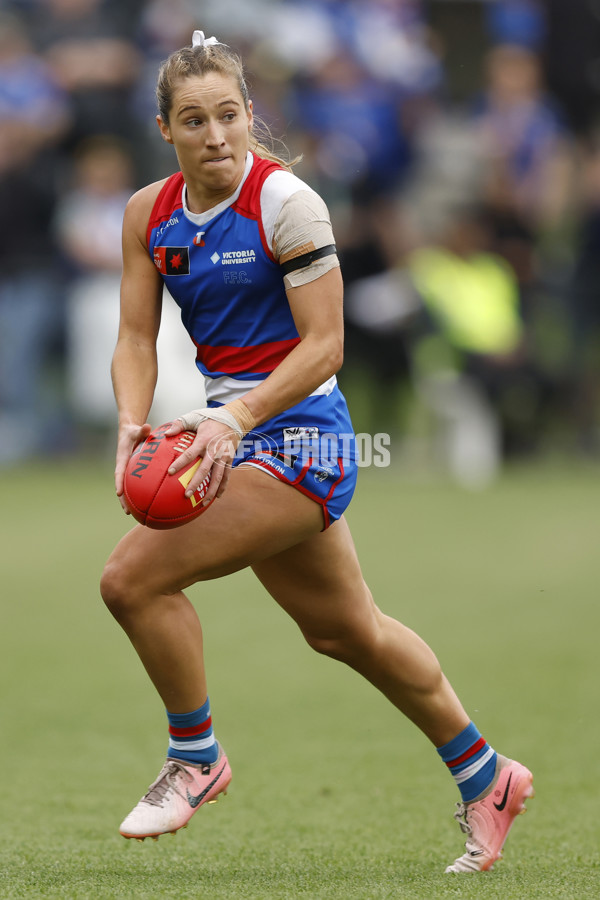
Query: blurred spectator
{"points": [[521, 22], [242, 23], [471, 361], [389, 39], [88, 225], [345, 112], [571, 55], [509, 152], [33, 109], [91, 54], [359, 71], [160, 29], [362, 78], [528, 185], [34, 116], [508, 149], [523, 139], [379, 305], [379, 312], [90, 214]]}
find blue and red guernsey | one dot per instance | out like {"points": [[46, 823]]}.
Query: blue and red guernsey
{"points": [[227, 283], [220, 269]]}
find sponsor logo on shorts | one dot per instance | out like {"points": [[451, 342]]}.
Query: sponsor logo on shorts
{"points": [[300, 432]]}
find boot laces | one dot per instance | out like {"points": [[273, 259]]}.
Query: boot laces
{"points": [[471, 846], [166, 781]]}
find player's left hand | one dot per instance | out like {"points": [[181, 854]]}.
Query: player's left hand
{"points": [[215, 444]]}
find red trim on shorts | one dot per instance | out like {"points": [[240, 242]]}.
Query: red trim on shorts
{"points": [[322, 501], [263, 465], [335, 483]]}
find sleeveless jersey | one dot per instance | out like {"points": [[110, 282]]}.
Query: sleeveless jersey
{"points": [[228, 285], [222, 274]]}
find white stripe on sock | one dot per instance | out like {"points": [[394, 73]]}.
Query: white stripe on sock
{"points": [[202, 744], [474, 767]]}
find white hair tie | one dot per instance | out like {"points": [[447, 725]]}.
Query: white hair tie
{"points": [[198, 40]]}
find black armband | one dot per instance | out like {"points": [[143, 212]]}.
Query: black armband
{"points": [[301, 262]]}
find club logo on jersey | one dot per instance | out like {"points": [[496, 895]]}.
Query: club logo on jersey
{"points": [[239, 276], [172, 260], [198, 242]]}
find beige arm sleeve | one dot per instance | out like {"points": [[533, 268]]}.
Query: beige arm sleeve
{"points": [[303, 225]]}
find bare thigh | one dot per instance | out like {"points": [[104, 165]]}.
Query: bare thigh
{"points": [[258, 516], [320, 584]]}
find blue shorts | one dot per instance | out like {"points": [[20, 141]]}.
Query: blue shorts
{"points": [[310, 447]]}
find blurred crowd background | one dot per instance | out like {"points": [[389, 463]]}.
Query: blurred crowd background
{"points": [[456, 143]]}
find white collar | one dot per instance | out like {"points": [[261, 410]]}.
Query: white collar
{"points": [[204, 217]]}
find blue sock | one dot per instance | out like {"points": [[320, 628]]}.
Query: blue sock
{"points": [[191, 737], [471, 761]]}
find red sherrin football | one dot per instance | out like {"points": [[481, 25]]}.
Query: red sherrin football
{"points": [[154, 497]]}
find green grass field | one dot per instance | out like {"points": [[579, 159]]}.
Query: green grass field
{"points": [[334, 794]]}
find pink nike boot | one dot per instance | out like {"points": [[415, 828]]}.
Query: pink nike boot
{"points": [[488, 820], [170, 802]]}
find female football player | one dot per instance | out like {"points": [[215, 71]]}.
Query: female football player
{"points": [[247, 251]]}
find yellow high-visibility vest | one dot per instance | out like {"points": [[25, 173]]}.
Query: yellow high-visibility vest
{"points": [[474, 301]]}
